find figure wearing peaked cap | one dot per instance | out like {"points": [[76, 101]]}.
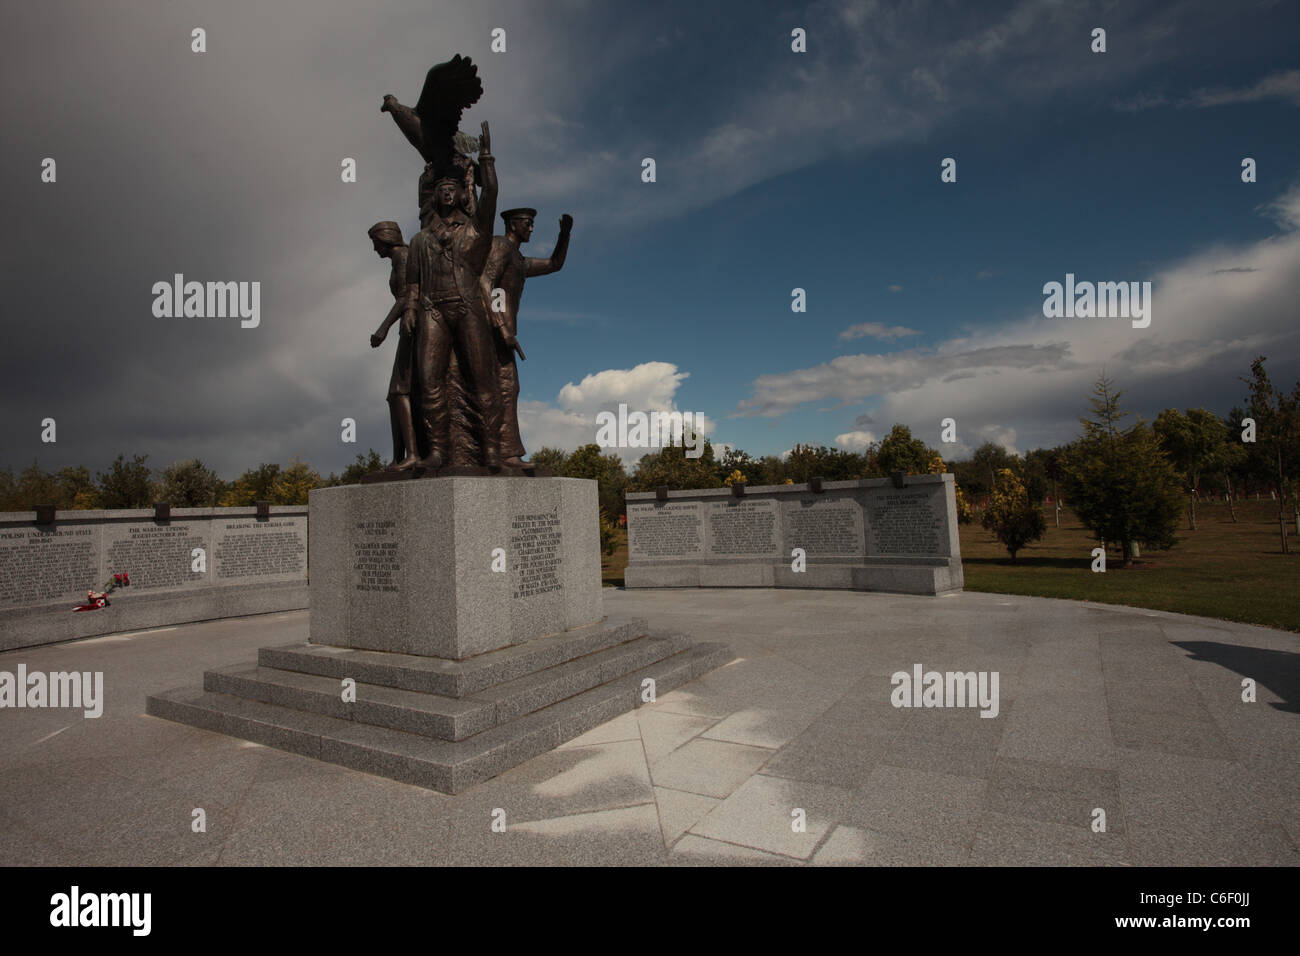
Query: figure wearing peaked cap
{"points": [[503, 286]]}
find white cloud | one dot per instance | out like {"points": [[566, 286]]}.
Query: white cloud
{"points": [[851, 378], [649, 386], [864, 90], [1001, 435], [922, 80], [1025, 381], [855, 441], [571, 422], [544, 425], [1285, 85], [876, 330]]}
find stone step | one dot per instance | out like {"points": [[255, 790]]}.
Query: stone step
{"points": [[434, 675], [434, 715], [430, 715], [526, 694], [449, 767]]}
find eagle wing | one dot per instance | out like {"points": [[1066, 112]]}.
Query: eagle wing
{"points": [[449, 89]]}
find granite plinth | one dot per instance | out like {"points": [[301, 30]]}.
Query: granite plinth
{"points": [[453, 567], [509, 705], [456, 630], [869, 535]]}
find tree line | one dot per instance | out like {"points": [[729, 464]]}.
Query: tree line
{"points": [[1127, 483], [131, 483]]}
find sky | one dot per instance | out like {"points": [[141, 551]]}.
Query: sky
{"points": [[775, 170]]}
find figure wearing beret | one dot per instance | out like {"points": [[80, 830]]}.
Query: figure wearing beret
{"points": [[387, 239]]}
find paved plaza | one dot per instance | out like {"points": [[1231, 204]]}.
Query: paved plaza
{"points": [[1137, 713]]}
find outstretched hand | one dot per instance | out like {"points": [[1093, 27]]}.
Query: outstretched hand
{"points": [[377, 339]]}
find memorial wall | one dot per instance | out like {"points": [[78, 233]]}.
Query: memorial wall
{"points": [[196, 564], [869, 535]]}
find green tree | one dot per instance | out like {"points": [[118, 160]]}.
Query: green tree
{"points": [[1054, 472], [126, 484], [1277, 433], [292, 485], [188, 484], [733, 459], [670, 466], [1011, 516], [1232, 458], [256, 484], [899, 451], [70, 487], [606, 470], [35, 486], [353, 473], [972, 477], [548, 457], [836, 464], [77, 488], [992, 459], [802, 463], [1119, 480], [9, 491], [608, 536], [769, 470], [1037, 470], [1194, 443]]}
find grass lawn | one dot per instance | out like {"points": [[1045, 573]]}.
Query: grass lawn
{"points": [[1232, 571]]}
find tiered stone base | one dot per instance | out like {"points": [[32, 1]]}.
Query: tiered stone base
{"points": [[433, 722]]}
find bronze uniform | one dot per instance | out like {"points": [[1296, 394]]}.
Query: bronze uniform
{"points": [[506, 270], [445, 261], [400, 383]]}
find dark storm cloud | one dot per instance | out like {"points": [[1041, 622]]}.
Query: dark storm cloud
{"points": [[221, 166]]}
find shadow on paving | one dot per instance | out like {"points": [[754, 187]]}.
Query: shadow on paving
{"points": [[1279, 671]]}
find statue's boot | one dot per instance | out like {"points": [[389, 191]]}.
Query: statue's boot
{"points": [[514, 461], [431, 461]]}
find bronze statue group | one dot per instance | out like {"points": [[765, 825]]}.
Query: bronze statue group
{"points": [[453, 395]]}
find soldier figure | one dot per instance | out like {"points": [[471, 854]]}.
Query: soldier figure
{"points": [[446, 310], [387, 239], [503, 286]]}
